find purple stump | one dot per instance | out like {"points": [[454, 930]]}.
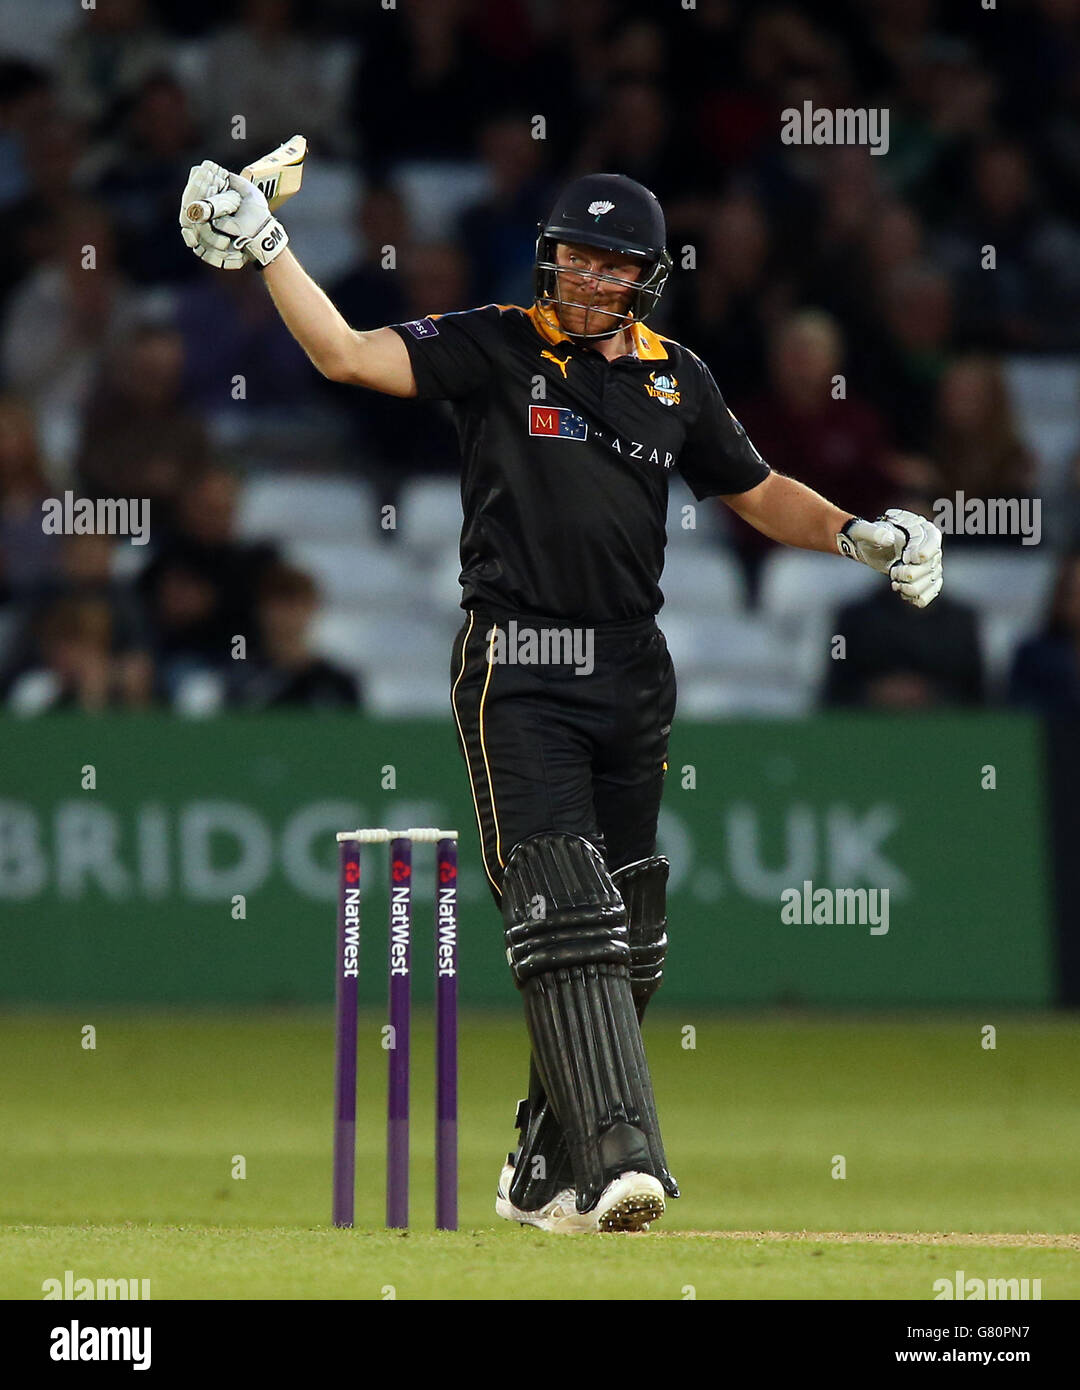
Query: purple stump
{"points": [[397, 1115], [446, 1030], [347, 977]]}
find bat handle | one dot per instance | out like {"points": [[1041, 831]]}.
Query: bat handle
{"points": [[199, 212]]}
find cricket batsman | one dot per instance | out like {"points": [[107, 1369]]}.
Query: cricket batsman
{"points": [[571, 414]]}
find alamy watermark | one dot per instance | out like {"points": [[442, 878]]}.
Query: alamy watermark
{"points": [[69, 1287], [810, 906], [855, 125], [960, 1286], [103, 516], [990, 516], [517, 645]]}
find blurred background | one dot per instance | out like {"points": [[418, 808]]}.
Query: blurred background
{"points": [[141, 373]]}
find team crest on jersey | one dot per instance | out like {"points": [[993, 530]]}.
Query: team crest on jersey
{"points": [[663, 389], [557, 422], [599, 208]]}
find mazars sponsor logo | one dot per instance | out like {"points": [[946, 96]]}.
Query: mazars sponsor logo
{"points": [[557, 422]]}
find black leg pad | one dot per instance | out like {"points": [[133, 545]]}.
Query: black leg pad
{"points": [[643, 888]]}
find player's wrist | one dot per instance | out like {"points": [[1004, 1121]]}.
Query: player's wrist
{"points": [[265, 245], [845, 544]]}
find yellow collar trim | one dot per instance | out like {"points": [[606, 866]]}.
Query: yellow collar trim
{"points": [[648, 345]]}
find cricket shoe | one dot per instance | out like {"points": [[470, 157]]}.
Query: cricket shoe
{"points": [[560, 1214], [629, 1203]]}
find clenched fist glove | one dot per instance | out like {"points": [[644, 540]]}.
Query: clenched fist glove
{"points": [[253, 227], [209, 183], [903, 545]]}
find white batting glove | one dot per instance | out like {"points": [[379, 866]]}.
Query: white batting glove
{"points": [[253, 227], [209, 183], [903, 545]]}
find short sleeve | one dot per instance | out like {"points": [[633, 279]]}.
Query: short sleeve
{"points": [[451, 354], [718, 457]]}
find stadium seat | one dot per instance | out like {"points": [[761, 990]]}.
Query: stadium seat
{"points": [[1045, 393], [373, 574], [799, 584], [715, 697], [429, 515], [1016, 583], [322, 223], [729, 645], [702, 579], [396, 694], [1000, 634], [405, 645], [292, 506], [436, 193], [706, 529]]}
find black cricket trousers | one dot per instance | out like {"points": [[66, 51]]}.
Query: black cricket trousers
{"points": [[548, 749]]}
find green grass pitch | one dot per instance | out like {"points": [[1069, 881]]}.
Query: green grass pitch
{"points": [[123, 1160]]}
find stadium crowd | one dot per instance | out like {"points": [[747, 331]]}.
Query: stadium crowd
{"points": [[439, 131]]}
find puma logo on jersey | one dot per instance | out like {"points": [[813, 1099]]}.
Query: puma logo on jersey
{"points": [[562, 366]]}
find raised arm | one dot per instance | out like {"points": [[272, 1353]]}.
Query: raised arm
{"points": [[377, 359], [243, 230]]}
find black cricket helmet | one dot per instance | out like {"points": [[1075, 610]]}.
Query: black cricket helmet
{"points": [[613, 213]]}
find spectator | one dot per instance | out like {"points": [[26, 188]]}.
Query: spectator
{"points": [[635, 133], [498, 234], [1045, 675], [1030, 298], [277, 78], [728, 306], [84, 574], [900, 657], [107, 58], [234, 341], [27, 555], [140, 438], [138, 178], [422, 86], [200, 588], [77, 669], [371, 294], [834, 445], [288, 675], [977, 448], [59, 323], [409, 437], [901, 364]]}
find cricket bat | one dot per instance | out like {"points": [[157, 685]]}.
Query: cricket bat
{"points": [[277, 176]]}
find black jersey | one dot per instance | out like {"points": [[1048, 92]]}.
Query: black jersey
{"points": [[567, 457]]}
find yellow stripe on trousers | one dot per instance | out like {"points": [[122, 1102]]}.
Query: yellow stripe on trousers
{"points": [[483, 750]]}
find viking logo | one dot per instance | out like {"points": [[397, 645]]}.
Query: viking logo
{"points": [[663, 389], [599, 208]]}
